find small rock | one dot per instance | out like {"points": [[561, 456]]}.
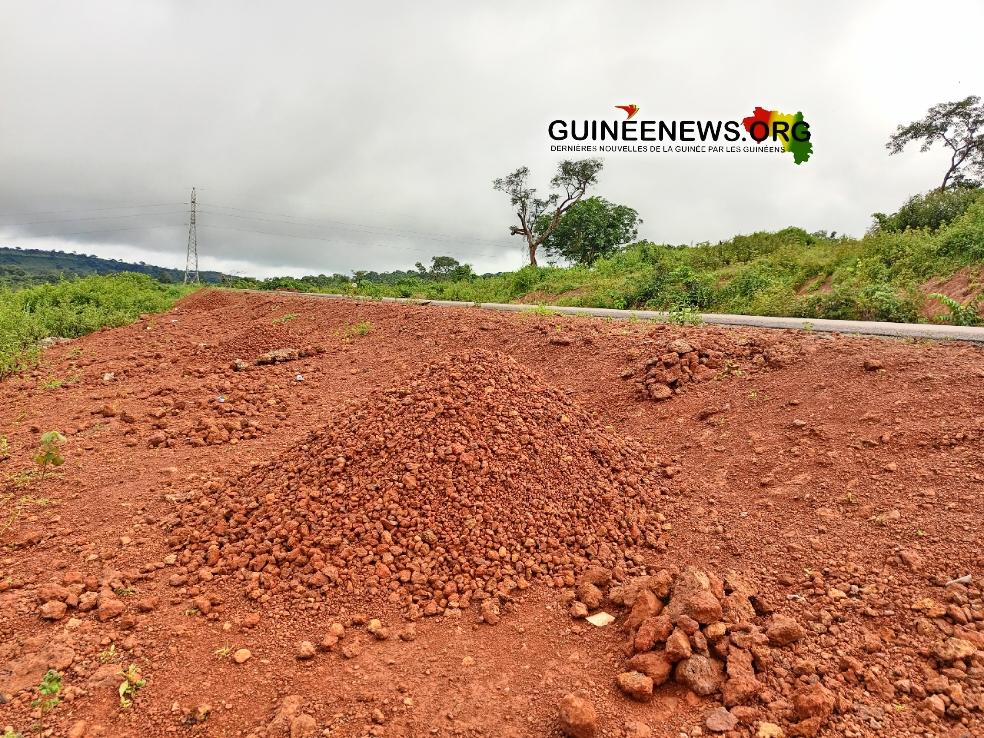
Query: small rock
{"points": [[377, 629], [578, 718], [78, 729], [490, 611], [677, 645], [654, 664], [700, 674], [53, 610], [954, 649], [305, 650], [813, 701], [242, 655], [109, 607], [719, 720], [635, 729], [636, 685], [303, 726], [769, 730], [590, 595], [783, 631], [680, 346]]}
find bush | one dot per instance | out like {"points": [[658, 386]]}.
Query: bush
{"points": [[964, 239], [932, 210], [73, 308]]}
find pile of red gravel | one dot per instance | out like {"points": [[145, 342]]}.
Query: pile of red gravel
{"points": [[471, 480]]}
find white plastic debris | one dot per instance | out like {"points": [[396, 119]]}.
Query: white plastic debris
{"points": [[601, 619], [299, 378], [221, 398], [965, 579]]}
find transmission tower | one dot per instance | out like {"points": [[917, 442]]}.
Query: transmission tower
{"points": [[191, 261]]}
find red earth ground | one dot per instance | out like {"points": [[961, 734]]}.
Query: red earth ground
{"points": [[843, 475]]}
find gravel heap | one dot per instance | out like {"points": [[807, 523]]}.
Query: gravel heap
{"points": [[683, 361], [471, 480], [710, 635]]}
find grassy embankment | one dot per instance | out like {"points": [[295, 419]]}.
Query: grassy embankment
{"points": [[73, 308], [933, 244]]}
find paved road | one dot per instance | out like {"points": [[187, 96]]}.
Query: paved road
{"points": [[847, 327]]}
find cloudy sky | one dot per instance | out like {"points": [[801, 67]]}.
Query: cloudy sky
{"points": [[329, 137]]}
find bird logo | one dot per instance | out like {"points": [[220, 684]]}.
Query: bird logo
{"points": [[630, 110]]}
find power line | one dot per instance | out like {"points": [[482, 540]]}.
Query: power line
{"points": [[89, 210], [296, 220], [322, 238], [99, 230], [92, 217]]}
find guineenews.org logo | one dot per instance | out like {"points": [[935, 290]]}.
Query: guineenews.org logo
{"points": [[764, 131]]}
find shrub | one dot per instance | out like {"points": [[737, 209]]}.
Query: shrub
{"points": [[932, 210]]}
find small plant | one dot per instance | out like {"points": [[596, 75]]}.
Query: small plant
{"points": [[50, 451], [961, 314], [131, 684], [223, 653], [362, 328], [11, 733], [51, 383], [49, 691], [285, 318], [683, 314], [124, 591], [542, 309], [4, 448], [110, 654]]}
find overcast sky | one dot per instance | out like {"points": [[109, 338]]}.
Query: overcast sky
{"points": [[378, 128]]}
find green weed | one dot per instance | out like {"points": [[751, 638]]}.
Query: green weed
{"points": [[49, 453], [362, 328], [131, 684], [49, 694], [961, 314]]}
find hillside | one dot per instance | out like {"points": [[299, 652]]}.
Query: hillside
{"points": [[27, 267]]}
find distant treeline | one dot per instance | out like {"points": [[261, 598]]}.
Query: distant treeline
{"points": [[21, 268]]}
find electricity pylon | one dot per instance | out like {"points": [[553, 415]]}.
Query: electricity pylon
{"points": [[191, 261]]}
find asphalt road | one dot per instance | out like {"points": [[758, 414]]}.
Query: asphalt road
{"points": [[846, 327]]}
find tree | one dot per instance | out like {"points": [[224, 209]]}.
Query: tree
{"points": [[571, 180], [445, 268], [590, 228], [960, 126]]}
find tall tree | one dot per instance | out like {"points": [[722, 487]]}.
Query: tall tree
{"points": [[591, 228], [570, 182], [960, 126]]}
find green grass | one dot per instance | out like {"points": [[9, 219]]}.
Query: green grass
{"points": [[73, 308], [791, 272]]}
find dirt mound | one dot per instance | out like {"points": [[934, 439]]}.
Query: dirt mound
{"points": [[682, 361], [207, 299], [473, 479]]}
